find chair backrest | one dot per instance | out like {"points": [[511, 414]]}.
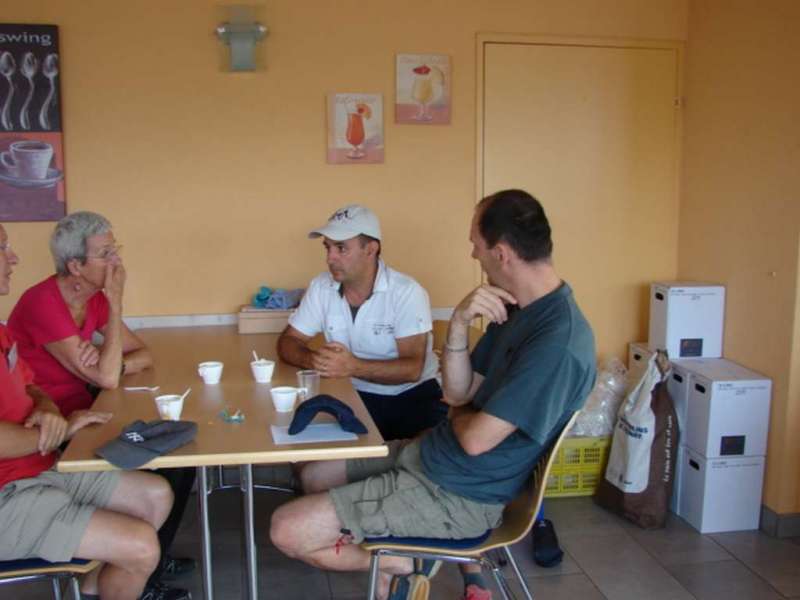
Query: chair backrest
{"points": [[521, 513]]}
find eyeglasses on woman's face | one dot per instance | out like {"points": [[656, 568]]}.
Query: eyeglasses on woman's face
{"points": [[106, 253]]}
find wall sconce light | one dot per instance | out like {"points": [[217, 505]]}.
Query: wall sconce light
{"points": [[241, 33]]}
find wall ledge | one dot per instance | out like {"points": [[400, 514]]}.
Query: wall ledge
{"points": [[150, 322], [779, 526]]}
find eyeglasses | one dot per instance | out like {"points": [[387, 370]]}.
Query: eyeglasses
{"points": [[107, 253]]}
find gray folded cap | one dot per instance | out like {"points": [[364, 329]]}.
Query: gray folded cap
{"points": [[141, 442]]}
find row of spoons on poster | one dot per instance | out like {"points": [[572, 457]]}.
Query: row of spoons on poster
{"points": [[28, 78]]}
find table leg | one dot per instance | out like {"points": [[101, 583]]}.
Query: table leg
{"points": [[205, 532], [248, 533]]}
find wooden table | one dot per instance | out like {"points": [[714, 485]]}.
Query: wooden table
{"points": [[177, 351]]}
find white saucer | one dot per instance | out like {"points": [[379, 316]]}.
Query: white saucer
{"points": [[53, 177]]}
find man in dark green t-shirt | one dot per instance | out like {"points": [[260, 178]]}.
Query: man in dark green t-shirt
{"points": [[531, 370]]}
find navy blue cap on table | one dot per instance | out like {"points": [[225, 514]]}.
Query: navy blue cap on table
{"points": [[309, 409]]}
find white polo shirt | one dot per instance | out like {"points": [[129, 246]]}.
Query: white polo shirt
{"points": [[398, 307]]}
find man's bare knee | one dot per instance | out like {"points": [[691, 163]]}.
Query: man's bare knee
{"points": [[283, 532], [318, 477], [308, 481], [142, 550], [161, 498]]}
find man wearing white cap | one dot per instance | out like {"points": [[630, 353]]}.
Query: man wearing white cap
{"points": [[377, 325]]}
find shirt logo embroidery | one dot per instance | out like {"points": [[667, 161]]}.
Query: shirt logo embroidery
{"points": [[383, 329], [134, 437]]}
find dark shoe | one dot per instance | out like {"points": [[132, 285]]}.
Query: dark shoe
{"points": [[546, 551], [159, 591], [178, 566]]}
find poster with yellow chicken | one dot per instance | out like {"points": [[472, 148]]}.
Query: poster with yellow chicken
{"points": [[423, 89]]}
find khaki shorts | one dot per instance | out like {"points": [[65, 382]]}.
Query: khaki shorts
{"points": [[392, 496], [46, 516]]}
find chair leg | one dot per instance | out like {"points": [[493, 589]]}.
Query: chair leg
{"points": [[56, 588], [76, 589], [373, 576], [502, 583], [518, 573]]}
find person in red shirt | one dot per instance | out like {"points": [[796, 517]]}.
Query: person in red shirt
{"points": [[109, 516], [54, 323]]}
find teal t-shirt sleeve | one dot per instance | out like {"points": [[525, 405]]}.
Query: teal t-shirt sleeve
{"points": [[481, 354], [536, 391]]}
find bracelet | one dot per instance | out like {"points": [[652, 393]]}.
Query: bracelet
{"points": [[449, 348]]}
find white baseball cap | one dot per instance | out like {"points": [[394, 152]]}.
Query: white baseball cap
{"points": [[348, 222]]}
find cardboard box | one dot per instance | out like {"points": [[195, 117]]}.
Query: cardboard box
{"points": [[638, 356], [721, 494], [686, 319], [262, 320], [728, 410], [679, 384]]}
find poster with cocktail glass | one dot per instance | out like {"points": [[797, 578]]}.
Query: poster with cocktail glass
{"points": [[31, 149], [423, 89], [355, 129]]}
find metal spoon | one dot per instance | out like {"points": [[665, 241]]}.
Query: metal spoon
{"points": [[49, 70], [29, 68], [7, 68]]}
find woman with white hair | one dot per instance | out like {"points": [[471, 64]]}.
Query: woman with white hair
{"points": [[54, 321]]}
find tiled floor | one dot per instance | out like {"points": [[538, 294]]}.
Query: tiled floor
{"points": [[606, 557]]}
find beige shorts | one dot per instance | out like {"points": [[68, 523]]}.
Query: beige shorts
{"points": [[46, 516], [392, 496]]}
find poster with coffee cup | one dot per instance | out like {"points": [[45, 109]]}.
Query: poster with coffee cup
{"points": [[31, 148]]}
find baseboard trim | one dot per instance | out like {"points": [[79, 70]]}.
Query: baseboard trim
{"points": [[779, 526]]}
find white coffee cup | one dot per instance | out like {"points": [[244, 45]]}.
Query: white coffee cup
{"points": [[169, 407], [284, 397], [262, 370], [28, 159], [210, 371]]}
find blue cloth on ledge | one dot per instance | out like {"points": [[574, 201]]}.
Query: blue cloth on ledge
{"points": [[278, 299]]}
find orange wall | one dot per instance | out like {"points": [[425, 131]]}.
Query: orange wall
{"points": [[212, 179], [740, 213]]}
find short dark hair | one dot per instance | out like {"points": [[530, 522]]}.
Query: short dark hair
{"points": [[365, 239], [516, 218]]}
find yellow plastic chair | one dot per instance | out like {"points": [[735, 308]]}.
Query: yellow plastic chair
{"points": [[34, 569], [518, 519]]}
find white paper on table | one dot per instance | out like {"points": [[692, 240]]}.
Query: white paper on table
{"points": [[314, 433]]}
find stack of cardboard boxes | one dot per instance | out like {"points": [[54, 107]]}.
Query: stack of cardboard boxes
{"points": [[722, 408]]}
